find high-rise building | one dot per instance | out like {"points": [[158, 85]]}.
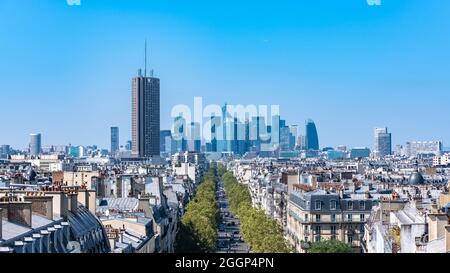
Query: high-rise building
{"points": [[129, 145], [146, 116], [215, 132], [312, 138], [194, 141], [114, 140], [293, 136], [285, 137], [383, 142], [301, 142], [165, 138], [35, 144], [179, 134], [4, 151]]}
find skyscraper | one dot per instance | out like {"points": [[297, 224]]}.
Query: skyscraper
{"points": [[35, 144], [383, 142], [312, 138], [146, 116], [179, 134], [165, 138], [194, 141], [114, 140]]}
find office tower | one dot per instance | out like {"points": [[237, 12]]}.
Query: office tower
{"points": [[301, 142], [129, 145], [416, 148], [4, 151], [165, 138], [146, 115], [215, 132], [293, 137], [35, 144], [179, 134], [194, 141], [224, 144], [383, 142], [312, 138], [285, 138], [114, 140]]}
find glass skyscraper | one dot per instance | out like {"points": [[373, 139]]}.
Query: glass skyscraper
{"points": [[383, 142], [312, 138], [114, 140], [35, 144]]}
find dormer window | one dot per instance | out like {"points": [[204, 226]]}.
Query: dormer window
{"points": [[350, 205], [318, 205], [333, 205]]}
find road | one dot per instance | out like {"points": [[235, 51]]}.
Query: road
{"points": [[230, 237]]}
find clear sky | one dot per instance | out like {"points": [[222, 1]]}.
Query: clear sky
{"points": [[65, 71]]}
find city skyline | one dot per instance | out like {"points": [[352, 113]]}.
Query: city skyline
{"points": [[305, 76]]}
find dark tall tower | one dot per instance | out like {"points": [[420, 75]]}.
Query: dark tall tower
{"points": [[312, 138], [146, 116]]}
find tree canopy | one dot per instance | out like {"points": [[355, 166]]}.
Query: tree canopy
{"points": [[263, 234], [198, 226], [330, 246]]}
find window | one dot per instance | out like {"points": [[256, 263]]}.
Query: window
{"points": [[333, 218], [350, 239], [333, 204], [333, 230], [350, 205], [362, 205], [306, 217], [318, 218], [362, 217], [317, 229], [318, 205], [349, 217], [361, 229]]}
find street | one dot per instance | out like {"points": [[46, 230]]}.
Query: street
{"points": [[230, 237]]}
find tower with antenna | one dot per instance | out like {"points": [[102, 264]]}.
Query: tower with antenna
{"points": [[145, 113]]}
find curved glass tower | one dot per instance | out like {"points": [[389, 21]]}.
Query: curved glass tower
{"points": [[312, 139]]}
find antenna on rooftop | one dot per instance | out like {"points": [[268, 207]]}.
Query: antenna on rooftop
{"points": [[145, 70]]}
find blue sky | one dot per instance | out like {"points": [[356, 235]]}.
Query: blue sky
{"points": [[65, 71]]}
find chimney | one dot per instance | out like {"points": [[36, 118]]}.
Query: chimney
{"points": [[72, 201], [59, 200], [88, 199], [144, 205], [40, 204], [20, 213]]}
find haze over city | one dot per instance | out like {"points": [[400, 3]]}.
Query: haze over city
{"points": [[66, 70]]}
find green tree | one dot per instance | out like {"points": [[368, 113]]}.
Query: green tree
{"points": [[330, 246], [198, 226], [263, 234]]}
